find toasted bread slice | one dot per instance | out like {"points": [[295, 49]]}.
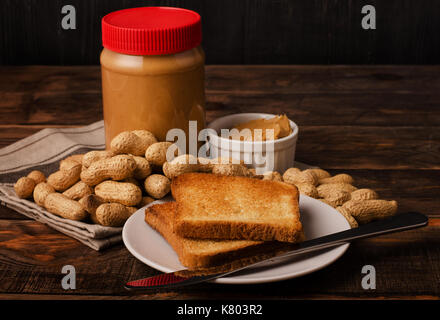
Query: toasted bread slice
{"points": [[208, 256], [223, 207]]}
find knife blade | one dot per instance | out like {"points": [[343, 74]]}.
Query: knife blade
{"points": [[401, 222]]}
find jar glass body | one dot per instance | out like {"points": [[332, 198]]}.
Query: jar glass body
{"points": [[153, 92]]}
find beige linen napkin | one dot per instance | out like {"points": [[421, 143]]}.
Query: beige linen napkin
{"points": [[43, 151]]}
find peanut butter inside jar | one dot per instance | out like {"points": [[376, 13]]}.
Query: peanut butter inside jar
{"points": [[153, 72]]}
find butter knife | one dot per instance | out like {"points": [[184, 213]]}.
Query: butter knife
{"points": [[401, 222]]}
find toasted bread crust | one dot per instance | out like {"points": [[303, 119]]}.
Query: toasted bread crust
{"points": [[233, 253], [201, 197], [238, 230]]}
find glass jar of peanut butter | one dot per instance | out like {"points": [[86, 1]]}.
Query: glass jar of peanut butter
{"points": [[152, 69]]}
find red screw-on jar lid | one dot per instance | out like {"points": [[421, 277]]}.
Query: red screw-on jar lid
{"points": [[151, 30]]}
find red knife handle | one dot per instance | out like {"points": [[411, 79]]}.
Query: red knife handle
{"points": [[155, 281]]}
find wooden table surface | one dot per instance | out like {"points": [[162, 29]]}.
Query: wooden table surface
{"points": [[380, 124]]}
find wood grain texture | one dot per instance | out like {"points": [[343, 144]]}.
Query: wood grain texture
{"points": [[237, 32], [380, 124], [311, 95], [39, 269]]}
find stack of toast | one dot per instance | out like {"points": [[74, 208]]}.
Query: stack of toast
{"points": [[220, 223]]}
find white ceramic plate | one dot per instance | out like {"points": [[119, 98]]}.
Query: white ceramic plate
{"points": [[318, 219]]}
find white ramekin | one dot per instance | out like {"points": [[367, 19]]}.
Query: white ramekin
{"points": [[283, 149]]}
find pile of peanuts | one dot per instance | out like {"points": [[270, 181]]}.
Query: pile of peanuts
{"points": [[106, 187], [103, 187], [358, 206]]}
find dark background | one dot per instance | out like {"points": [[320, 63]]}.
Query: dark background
{"points": [[237, 31]]}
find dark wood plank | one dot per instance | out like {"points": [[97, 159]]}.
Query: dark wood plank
{"points": [[252, 79], [384, 109], [358, 147], [10, 214], [34, 254], [322, 79], [70, 296], [10, 133], [311, 95], [43, 79], [322, 109], [184, 296]]}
